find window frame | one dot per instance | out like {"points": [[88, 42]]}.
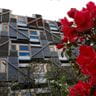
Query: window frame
{"points": [[28, 54], [21, 20], [33, 32], [35, 35], [53, 26], [21, 49]]}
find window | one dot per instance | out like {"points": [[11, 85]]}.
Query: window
{"points": [[34, 37], [21, 20], [53, 26], [23, 47], [33, 33], [24, 54]]}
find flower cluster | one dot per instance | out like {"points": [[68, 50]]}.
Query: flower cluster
{"points": [[80, 33], [87, 63], [84, 22], [87, 60], [80, 89]]}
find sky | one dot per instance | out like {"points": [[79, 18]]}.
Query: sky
{"points": [[49, 9]]}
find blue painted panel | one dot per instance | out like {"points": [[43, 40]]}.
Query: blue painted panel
{"points": [[22, 47], [24, 54]]}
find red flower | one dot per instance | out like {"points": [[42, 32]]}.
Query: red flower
{"points": [[87, 60], [70, 33], [80, 89], [65, 40], [92, 9], [94, 93], [82, 39], [65, 22], [72, 12], [83, 20], [90, 5], [92, 80], [59, 46]]}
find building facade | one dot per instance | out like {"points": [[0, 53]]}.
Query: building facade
{"points": [[24, 42]]}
